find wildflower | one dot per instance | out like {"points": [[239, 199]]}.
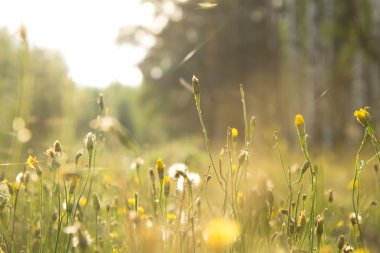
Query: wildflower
{"points": [[89, 141], [82, 240], [82, 202], [136, 164], [131, 202], [32, 161], [140, 211], [340, 224], [160, 169], [172, 171], [77, 156], [363, 116], [50, 152], [355, 221], [16, 186], [234, 132], [220, 233], [301, 223], [300, 124], [348, 249], [171, 217], [191, 178]]}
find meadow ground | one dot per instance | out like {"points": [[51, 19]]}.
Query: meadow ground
{"points": [[186, 196]]}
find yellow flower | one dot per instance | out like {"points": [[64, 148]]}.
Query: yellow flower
{"points": [[82, 202], [171, 217], [362, 116], [220, 233], [131, 202], [234, 132], [340, 224], [299, 121], [32, 161], [140, 211], [16, 186], [160, 169]]}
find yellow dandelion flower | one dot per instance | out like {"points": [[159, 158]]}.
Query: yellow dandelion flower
{"points": [[234, 132], [171, 217], [340, 224], [362, 116], [160, 169], [32, 161], [140, 210], [16, 186], [131, 202], [299, 121], [220, 233], [82, 202]]}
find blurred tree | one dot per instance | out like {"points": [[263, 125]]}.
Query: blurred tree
{"points": [[318, 58]]}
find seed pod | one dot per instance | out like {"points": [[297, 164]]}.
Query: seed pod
{"points": [[96, 201], [340, 242], [305, 166], [77, 156], [57, 147], [195, 84], [331, 196]]}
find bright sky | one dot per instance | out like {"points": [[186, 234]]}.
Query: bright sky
{"points": [[84, 32]]}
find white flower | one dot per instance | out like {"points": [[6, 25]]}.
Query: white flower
{"points": [[172, 171], [193, 178]]}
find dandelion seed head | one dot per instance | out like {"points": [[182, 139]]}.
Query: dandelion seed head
{"points": [[172, 171]]}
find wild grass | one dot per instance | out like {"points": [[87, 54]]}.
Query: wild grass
{"points": [[87, 201]]}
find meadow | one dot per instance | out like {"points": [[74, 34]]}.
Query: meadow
{"points": [[173, 198]]}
